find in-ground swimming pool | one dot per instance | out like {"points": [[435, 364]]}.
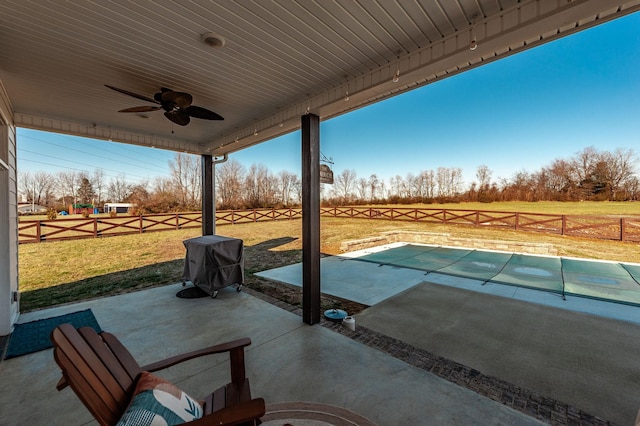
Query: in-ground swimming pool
{"points": [[612, 281]]}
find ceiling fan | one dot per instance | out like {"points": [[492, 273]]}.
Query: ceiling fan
{"points": [[176, 105]]}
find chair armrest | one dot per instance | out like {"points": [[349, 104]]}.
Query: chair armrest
{"points": [[239, 413], [216, 349]]}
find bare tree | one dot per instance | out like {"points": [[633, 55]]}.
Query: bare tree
{"points": [[456, 181], [186, 179], [374, 186], [252, 187], [344, 185], [395, 185], [99, 184], [161, 199], [25, 186], [118, 189], [418, 188], [362, 187], [483, 174], [260, 187], [38, 188], [68, 184], [632, 188], [430, 182], [229, 181], [140, 196], [539, 186], [442, 180], [614, 169], [286, 183], [423, 184], [162, 185], [583, 167], [560, 180], [410, 186], [519, 188], [382, 190], [449, 181]]}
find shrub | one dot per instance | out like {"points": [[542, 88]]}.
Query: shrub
{"points": [[137, 211], [52, 214]]}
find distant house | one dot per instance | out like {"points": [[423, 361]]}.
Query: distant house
{"points": [[117, 207], [28, 208], [81, 208]]}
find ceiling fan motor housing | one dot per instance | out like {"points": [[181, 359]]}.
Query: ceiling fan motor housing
{"points": [[177, 105]]}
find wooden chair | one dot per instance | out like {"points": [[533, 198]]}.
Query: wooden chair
{"points": [[103, 373]]}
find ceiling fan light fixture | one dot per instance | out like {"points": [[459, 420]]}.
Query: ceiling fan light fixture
{"points": [[474, 41], [213, 40]]}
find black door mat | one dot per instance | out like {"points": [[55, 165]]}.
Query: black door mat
{"points": [[34, 336]]}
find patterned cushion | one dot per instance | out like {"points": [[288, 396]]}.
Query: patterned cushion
{"points": [[158, 402]]}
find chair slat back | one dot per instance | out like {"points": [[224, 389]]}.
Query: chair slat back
{"points": [[94, 370]]}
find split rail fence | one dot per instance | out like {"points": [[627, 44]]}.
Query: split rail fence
{"points": [[622, 228]]}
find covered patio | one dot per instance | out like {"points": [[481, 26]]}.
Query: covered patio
{"points": [[211, 78], [268, 69], [446, 351], [287, 361]]}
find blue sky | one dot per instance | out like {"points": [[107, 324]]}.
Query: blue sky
{"points": [[516, 114]]}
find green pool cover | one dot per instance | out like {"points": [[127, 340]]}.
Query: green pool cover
{"points": [[617, 282]]}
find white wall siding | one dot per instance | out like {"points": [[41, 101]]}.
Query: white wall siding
{"points": [[9, 309]]}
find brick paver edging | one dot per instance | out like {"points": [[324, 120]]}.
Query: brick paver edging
{"points": [[528, 402]]}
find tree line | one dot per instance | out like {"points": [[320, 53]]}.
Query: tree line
{"points": [[180, 191], [590, 175]]}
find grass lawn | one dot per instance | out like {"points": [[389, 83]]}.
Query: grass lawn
{"points": [[68, 271]]}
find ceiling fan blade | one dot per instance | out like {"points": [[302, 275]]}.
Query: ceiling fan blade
{"points": [[141, 109], [135, 95], [199, 112], [180, 99], [178, 116]]}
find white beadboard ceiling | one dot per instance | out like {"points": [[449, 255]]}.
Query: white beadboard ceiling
{"points": [[281, 59]]}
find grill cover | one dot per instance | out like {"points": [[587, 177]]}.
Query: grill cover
{"points": [[213, 262]]}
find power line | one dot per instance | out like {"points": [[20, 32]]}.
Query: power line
{"points": [[120, 146], [79, 170], [90, 153]]}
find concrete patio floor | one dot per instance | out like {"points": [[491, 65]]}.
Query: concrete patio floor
{"points": [[288, 361], [579, 352], [432, 349]]}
